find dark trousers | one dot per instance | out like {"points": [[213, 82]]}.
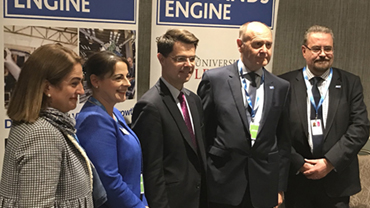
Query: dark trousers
{"points": [[246, 202], [311, 194]]}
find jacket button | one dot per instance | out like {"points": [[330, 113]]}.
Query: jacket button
{"points": [[198, 187]]}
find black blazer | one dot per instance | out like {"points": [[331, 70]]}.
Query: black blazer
{"points": [[346, 131], [233, 163], [174, 171]]}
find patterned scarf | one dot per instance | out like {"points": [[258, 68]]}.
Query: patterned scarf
{"points": [[66, 124], [59, 120]]}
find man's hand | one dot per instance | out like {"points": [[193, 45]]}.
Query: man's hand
{"points": [[316, 169], [306, 166], [280, 198]]}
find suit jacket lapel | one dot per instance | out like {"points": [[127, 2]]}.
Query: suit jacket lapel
{"points": [[236, 91], [268, 98], [124, 125], [299, 96], [335, 90], [175, 112], [197, 127]]}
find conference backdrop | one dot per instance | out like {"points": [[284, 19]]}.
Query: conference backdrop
{"points": [[85, 26], [216, 25]]}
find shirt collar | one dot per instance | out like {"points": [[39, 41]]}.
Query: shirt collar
{"points": [[324, 76], [246, 70], [173, 90]]}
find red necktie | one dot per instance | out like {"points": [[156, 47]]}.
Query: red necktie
{"points": [[186, 115]]}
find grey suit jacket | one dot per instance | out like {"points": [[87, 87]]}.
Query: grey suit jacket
{"points": [[233, 163], [174, 170], [346, 131], [44, 168]]}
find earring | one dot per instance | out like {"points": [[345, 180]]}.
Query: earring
{"points": [[96, 86], [48, 95]]}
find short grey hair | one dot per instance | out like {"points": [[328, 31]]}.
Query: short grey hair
{"points": [[317, 29]]}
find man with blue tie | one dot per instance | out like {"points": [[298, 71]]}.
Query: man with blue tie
{"points": [[245, 112], [328, 125]]}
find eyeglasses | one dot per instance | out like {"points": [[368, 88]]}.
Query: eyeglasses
{"points": [[318, 49], [184, 59]]}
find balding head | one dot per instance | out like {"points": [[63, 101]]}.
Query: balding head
{"points": [[249, 28], [255, 45]]}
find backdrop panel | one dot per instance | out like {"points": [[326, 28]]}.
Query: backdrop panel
{"points": [[82, 25], [216, 25]]}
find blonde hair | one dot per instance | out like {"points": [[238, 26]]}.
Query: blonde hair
{"points": [[50, 63]]}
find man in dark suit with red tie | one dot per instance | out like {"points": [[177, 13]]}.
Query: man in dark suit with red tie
{"points": [[245, 112], [328, 125], [168, 121]]}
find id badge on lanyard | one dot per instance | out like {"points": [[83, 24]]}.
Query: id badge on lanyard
{"points": [[253, 129], [316, 124]]}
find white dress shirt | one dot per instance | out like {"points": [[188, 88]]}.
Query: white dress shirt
{"points": [[325, 104], [175, 94]]}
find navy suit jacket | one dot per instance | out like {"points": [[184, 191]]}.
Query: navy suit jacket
{"points": [[115, 151], [174, 170], [233, 163], [346, 131]]}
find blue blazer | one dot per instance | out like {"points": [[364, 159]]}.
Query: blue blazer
{"points": [[115, 151]]}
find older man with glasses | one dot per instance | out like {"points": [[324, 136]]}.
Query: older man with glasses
{"points": [[328, 126]]}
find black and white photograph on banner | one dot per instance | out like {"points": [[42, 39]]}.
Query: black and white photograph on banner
{"points": [[120, 42], [21, 41]]}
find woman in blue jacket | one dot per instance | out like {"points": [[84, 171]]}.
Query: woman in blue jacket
{"points": [[110, 144]]}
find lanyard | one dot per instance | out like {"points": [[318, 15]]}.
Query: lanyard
{"points": [[75, 136], [96, 102], [249, 100], [309, 90]]}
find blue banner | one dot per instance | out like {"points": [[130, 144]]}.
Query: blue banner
{"points": [[214, 13], [119, 11]]}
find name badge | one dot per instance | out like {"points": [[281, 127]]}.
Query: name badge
{"points": [[316, 126], [253, 129], [141, 184], [124, 131]]}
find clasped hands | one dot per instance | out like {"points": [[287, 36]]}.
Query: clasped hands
{"points": [[316, 169]]}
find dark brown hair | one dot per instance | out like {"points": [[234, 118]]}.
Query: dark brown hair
{"points": [[165, 42], [101, 64]]}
